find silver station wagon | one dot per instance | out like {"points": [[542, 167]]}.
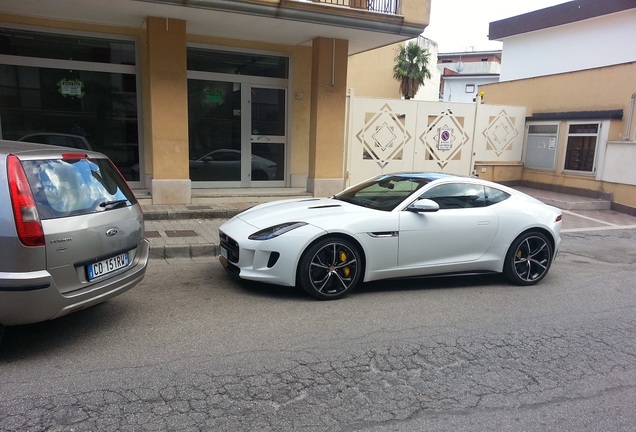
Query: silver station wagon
{"points": [[71, 232]]}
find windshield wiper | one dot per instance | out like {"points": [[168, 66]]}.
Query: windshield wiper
{"points": [[109, 205]]}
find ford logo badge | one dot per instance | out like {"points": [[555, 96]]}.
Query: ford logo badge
{"points": [[112, 232]]}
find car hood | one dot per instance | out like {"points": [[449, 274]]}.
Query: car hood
{"points": [[316, 211]]}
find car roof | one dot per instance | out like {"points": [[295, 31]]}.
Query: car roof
{"points": [[430, 176], [34, 150], [442, 178]]}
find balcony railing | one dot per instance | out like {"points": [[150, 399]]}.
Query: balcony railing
{"points": [[382, 6]]}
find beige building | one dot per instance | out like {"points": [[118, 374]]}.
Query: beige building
{"points": [[182, 95], [371, 73], [570, 67]]}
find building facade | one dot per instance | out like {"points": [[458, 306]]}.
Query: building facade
{"points": [[204, 94], [462, 73], [371, 73], [570, 66]]}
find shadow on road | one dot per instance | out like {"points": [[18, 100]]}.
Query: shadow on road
{"points": [[61, 334]]}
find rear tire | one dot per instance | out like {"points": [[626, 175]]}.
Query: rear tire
{"points": [[528, 259], [330, 268]]}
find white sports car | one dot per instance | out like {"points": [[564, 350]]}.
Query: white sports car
{"points": [[393, 226]]}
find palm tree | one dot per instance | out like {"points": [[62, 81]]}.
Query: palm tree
{"points": [[411, 68]]}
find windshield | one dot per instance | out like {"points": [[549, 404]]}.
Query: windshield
{"points": [[383, 192]]}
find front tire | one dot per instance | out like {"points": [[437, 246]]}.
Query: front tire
{"points": [[528, 259], [330, 268]]}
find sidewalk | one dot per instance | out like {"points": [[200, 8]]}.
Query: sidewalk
{"points": [[192, 231]]}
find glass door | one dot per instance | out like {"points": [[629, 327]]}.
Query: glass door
{"points": [[268, 134], [237, 133], [214, 130]]}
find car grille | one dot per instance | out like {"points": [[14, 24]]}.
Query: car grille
{"points": [[230, 245]]}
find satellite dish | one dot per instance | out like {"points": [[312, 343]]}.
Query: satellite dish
{"points": [[460, 67]]}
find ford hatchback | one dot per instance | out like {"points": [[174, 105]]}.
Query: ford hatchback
{"points": [[71, 232]]}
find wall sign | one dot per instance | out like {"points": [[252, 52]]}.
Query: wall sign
{"points": [[212, 96], [444, 140], [71, 87]]}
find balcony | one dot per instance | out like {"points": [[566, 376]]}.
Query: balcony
{"points": [[390, 7], [365, 24]]}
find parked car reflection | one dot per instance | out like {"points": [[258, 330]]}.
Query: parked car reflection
{"points": [[225, 164], [58, 139]]}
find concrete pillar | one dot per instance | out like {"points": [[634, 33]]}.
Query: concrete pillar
{"points": [[327, 122], [166, 125]]}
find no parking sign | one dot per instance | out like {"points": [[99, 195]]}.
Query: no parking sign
{"points": [[444, 142]]}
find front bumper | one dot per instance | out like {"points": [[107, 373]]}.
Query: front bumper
{"points": [[271, 261]]}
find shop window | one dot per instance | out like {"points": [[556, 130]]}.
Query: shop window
{"points": [[25, 43], [237, 63], [580, 153], [82, 88], [541, 146]]}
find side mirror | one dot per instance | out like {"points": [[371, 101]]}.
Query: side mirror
{"points": [[423, 206]]}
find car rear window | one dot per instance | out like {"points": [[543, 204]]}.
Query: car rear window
{"points": [[70, 187]]}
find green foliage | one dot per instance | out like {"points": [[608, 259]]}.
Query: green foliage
{"points": [[411, 68]]}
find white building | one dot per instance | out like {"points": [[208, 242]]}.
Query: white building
{"points": [[462, 73], [590, 34]]}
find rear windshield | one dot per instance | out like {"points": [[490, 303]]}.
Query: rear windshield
{"points": [[71, 187]]}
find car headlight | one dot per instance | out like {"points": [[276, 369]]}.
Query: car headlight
{"points": [[276, 230]]}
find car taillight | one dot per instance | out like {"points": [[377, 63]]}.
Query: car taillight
{"points": [[74, 156], [27, 220]]}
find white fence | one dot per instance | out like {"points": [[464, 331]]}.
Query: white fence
{"points": [[389, 135]]}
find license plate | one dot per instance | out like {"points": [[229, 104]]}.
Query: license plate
{"points": [[107, 266], [224, 252]]}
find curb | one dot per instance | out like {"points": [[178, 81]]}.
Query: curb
{"points": [[183, 251], [157, 215]]}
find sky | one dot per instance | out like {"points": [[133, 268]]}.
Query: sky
{"points": [[462, 25]]}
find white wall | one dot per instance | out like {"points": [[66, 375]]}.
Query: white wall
{"points": [[455, 87], [596, 42]]}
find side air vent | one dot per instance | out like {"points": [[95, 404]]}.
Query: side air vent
{"points": [[273, 258]]}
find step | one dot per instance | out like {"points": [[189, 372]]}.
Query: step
{"points": [[567, 201]]}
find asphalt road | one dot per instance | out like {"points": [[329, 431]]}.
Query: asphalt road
{"points": [[191, 349]]}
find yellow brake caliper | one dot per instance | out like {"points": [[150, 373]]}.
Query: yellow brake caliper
{"points": [[342, 256]]}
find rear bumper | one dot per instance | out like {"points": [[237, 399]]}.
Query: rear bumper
{"points": [[27, 298]]}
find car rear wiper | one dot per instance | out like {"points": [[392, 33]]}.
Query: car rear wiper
{"points": [[108, 205]]}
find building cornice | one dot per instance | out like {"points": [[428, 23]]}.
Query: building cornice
{"points": [[554, 16]]}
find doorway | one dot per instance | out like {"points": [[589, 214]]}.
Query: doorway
{"points": [[237, 119]]}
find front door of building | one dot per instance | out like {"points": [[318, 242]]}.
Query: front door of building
{"points": [[237, 132], [268, 134]]}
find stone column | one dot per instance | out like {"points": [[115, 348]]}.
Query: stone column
{"points": [[166, 125], [327, 123]]}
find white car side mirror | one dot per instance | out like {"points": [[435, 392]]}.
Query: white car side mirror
{"points": [[423, 206]]}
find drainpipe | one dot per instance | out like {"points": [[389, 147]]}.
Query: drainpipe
{"points": [[629, 119]]}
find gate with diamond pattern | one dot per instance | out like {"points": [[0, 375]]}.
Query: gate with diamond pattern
{"points": [[391, 135]]}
